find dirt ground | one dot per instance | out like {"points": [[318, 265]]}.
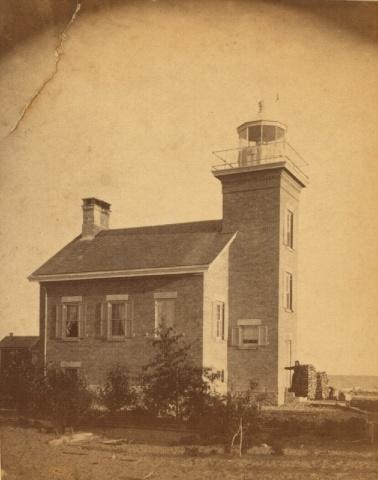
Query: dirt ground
{"points": [[28, 455]]}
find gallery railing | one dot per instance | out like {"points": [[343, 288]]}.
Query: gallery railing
{"points": [[260, 154]]}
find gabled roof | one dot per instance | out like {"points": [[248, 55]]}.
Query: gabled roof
{"points": [[132, 249], [12, 341]]}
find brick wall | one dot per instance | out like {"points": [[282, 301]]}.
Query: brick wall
{"points": [[96, 353], [253, 205], [287, 321]]}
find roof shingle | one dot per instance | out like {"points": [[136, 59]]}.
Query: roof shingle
{"points": [[175, 245]]}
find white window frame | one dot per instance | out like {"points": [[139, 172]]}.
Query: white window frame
{"points": [[262, 334], [66, 302], [288, 291], [128, 325], [289, 228]]}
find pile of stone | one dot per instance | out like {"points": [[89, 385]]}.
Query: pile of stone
{"points": [[322, 387], [308, 382]]}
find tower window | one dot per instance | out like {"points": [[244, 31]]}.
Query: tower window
{"points": [[289, 229], [288, 299], [249, 333]]}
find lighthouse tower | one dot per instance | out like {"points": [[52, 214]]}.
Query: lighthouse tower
{"points": [[261, 184]]}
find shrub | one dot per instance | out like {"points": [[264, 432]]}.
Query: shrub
{"points": [[231, 420], [351, 428], [172, 384], [66, 397], [58, 395], [117, 393], [19, 386]]}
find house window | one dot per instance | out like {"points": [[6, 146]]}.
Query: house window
{"points": [[288, 291], [289, 229], [119, 321], [70, 368], [249, 333], [71, 320], [72, 373], [165, 312], [219, 320], [70, 327]]}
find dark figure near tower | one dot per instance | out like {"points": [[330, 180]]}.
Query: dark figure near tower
{"points": [[296, 378]]}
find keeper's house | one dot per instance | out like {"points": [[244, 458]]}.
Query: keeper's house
{"points": [[228, 285]]}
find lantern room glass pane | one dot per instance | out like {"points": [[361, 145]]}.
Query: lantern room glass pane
{"points": [[280, 132], [254, 133], [269, 133]]}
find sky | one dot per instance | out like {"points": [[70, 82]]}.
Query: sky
{"points": [[144, 92]]}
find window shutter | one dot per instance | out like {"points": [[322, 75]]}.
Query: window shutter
{"points": [[128, 319], [213, 320], [263, 335], [108, 320], [61, 321], [223, 324], [235, 336], [99, 328], [82, 320]]}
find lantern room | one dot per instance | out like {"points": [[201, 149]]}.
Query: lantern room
{"points": [[261, 132]]}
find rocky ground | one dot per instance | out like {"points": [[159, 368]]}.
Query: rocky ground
{"points": [[29, 454]]}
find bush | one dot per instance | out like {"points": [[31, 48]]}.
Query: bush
{"points": [[230, 420], [117, 393], [19, 388], [58, 395], [66, 398], [353, 428], [172, 384]]}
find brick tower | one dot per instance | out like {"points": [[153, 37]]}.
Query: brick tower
{"points": [[261, 182]]}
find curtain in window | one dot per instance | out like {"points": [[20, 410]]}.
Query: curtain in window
{"points": [[118, 319], [165, 313], [72, 321]]}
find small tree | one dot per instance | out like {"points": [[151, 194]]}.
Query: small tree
{"points": [[231, 419], [117, 393], [242, 419], [172, 384]]}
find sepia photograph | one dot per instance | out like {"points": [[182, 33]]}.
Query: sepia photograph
{"points": [[188, 241]]}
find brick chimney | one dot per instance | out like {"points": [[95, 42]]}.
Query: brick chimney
{"points": [[96, 215]]}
